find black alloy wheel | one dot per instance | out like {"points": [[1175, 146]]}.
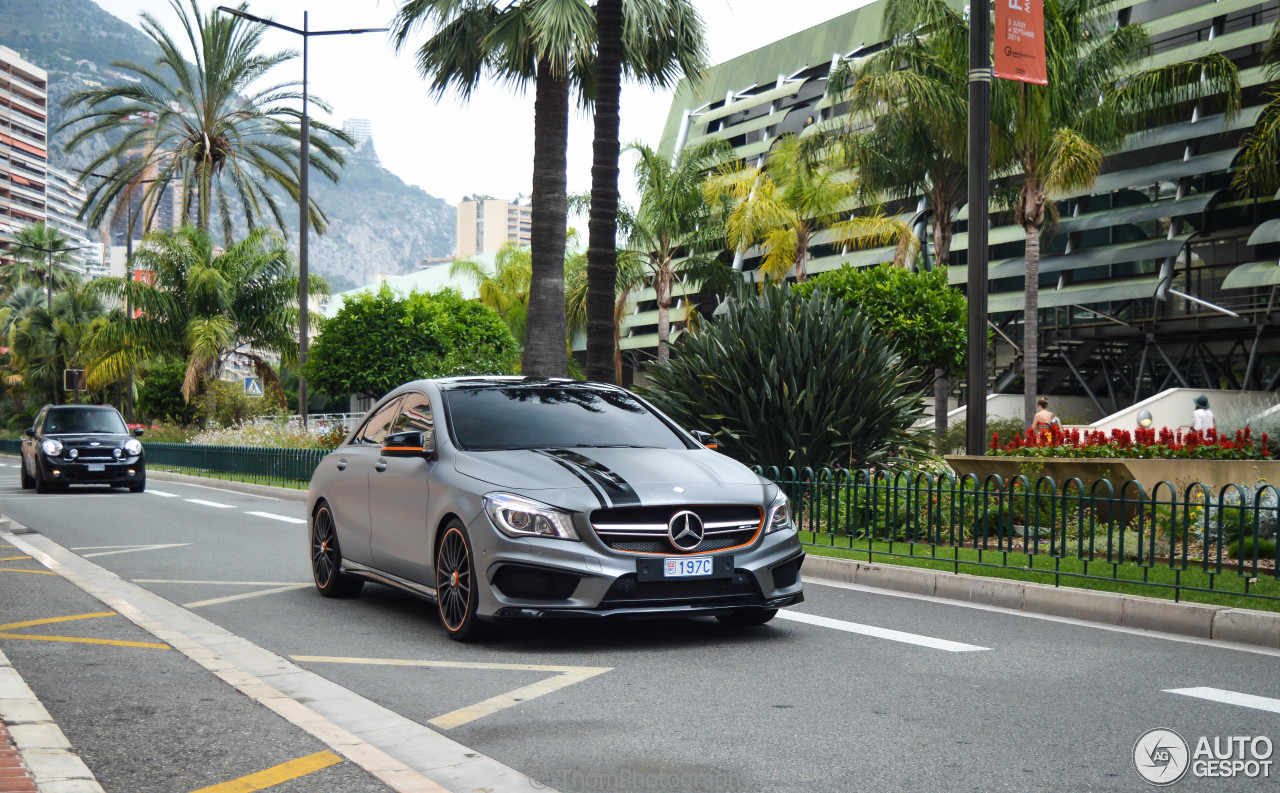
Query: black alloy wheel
{"points": [[455, 584], [28, 481], [326, 558]]}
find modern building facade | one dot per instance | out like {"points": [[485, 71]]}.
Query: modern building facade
{"points": [[486, 224], [64, 197], [360, 130], [1159, 275], [24, 156]]}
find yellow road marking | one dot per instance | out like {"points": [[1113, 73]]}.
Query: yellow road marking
{"points": [[80, 640], [242, 596], [32, 623], [20, 570], [567, 676], [14, 558], [276, 774]]}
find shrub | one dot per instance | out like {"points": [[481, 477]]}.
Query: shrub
{"points": [[225, 404], [793, 381], [160, 395], [954, 440], [275, 434], [1244, 549]]}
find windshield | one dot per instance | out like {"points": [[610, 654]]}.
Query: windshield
{"points": [[542, 417], [81, 420]]}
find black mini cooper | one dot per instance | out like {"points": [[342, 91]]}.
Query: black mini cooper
{"points": [[81, 445]]}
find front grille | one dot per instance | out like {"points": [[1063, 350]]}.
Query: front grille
{"points": [[629, 592], [86, 452], [644, 529]]}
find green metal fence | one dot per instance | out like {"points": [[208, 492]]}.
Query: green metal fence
{"points": [[1164, 537]]}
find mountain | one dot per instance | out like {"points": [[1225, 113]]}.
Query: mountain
{"points": [[377, 222]]}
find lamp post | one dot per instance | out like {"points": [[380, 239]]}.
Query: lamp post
{"points": [[979, 172], [304, 304]]}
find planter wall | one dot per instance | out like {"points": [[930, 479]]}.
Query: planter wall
{"points": [[1181, 473]]}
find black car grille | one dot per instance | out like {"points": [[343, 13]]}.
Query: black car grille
{"points": [[629, 592], [644, 529]]}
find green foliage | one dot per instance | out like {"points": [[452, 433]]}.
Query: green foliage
{"points": [[379, 340], [1244, 548], [784, 379], [225, 404], [954, 441], [917, 311], [160, 395]]}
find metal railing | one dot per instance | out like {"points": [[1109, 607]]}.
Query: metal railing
{"points": [[1193, 539]]}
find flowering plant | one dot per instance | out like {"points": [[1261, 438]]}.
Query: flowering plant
{"points": [[1139, 443]]}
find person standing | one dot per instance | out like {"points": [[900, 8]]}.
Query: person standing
{"points": [[1202, 418], [1044, 418]]}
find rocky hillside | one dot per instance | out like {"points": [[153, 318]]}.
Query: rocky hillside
{"points": [[377, 223]]}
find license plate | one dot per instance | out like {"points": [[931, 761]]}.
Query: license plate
{"points": [[96, 467], [687, 567]]}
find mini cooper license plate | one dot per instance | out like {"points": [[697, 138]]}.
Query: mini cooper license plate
{"points": [[96, 467], [670, 567]]}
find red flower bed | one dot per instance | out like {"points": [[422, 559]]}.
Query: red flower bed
{"points": [[1145, 443]]}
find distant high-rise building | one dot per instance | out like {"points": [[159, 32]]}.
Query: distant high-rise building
{"points": [[360, 130], [166, 214], [484, 224], [24, 157], [63, 198]]}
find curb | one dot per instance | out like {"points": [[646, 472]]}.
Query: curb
{"points": [[1201, 620], [249, 488], [40, 741]]}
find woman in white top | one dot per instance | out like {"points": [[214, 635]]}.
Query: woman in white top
{"points": [[1202, 418]]}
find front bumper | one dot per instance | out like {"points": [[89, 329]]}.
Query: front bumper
{"points": [[557, 579], [114, 472]]}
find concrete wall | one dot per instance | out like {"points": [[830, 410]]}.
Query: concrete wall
{"points": [[1072, 409], [1172, 408]]}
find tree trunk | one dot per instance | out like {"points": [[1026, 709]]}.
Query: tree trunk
{"points": [[942, 237], [1031, 324], [940, 389], [662, 284], [942, 234], [802, 257], [544, 340], [602, 245], [619, 307]]}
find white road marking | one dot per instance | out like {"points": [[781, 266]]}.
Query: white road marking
{"points": [[162, 494], [1229, 698], [226, 583], [204, 503], [274, 516], [941, 601], [125, 549], [881, 633], [568, 675], [245, 595]]}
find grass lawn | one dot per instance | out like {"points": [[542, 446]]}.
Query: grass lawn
{"points": [[1128, 578]]}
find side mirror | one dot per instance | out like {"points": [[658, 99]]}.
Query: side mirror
{"points": [[705, 438], [30, 432], [137, 433], [406, 444]]}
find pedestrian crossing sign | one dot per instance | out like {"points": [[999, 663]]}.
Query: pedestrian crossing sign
{"points": [[253, 386]]}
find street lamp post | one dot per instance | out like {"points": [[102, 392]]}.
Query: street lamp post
{"points": [[979, 173], [304, 304]]}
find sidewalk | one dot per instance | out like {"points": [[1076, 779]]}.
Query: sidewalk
{"points": [[35, 757]]}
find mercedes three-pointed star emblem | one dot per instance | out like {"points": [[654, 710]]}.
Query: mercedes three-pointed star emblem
{"points": [[685, 530]]}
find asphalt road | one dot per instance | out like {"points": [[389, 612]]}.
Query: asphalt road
{"points": [[857, 690]]}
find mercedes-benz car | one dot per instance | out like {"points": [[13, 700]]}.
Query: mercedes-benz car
{"points": [[510, 498], [81, 445]]}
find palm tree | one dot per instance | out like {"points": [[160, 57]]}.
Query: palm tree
{"points": [[17, 306], [203, 306], [1258, 169], [783, 205], [675, 234], [1057, 135], [34, 265], [915, 93], [49, 340], [548, 43], [655, 42], [505, 289], [207, 130], [629, 276]]}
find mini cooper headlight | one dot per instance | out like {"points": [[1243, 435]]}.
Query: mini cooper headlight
{"points": [[133, 447], [779, 514], [51, 446], [516, 516], [73, 454]]}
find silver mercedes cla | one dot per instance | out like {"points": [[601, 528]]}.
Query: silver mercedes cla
{"points": [[504, 498]]}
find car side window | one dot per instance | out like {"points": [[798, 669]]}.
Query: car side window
{"points": [[38, 424], [376, 426], [415, 416]]}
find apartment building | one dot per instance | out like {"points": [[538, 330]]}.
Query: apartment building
{"points": [[64, 197], [485, 224], [24, 129]]}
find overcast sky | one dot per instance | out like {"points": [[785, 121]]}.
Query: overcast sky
{"points": [[485, 146]]}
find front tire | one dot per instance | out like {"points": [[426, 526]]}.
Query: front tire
{"points": [[326, 558], [138, 486], [41, 485], [28, 481], [456, 594], [746, 618]]}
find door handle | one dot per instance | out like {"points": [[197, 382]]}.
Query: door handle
{"points": [[342, 465], [381, 465]]}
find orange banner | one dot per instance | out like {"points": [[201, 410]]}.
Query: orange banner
{"points": [[1020, 41]]}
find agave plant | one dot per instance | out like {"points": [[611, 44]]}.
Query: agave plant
{"points": [[793, 381]]}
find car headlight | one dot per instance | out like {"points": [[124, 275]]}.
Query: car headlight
{"points": [[516, 516], [779, 514], [73, 454], [133, 447], [51, 446]]}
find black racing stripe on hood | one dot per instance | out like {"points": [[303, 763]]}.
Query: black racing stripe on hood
{"points": [[579, 473], [614, 486]]}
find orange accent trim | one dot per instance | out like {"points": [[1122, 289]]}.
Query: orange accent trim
{"points": [[711, 445], [439, 604], [751, 541], [404, 448]]}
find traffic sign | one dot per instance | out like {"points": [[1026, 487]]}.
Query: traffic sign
{"points": [[253, 386]]}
